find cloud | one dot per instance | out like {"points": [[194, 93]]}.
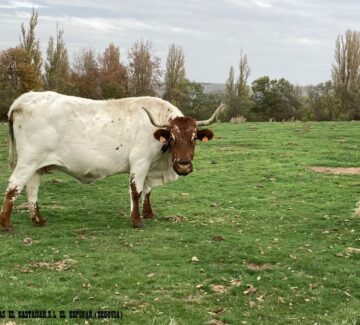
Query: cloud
{"points": [[102, 24], [19, 4], [308, 41], [251, 3], [188, 31], [96, 23]]}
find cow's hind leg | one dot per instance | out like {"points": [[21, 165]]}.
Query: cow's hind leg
{"points": [[17, 181], [11, 194], [32, 188]]}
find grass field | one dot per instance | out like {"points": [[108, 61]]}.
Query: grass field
{"points": [[270, 237]]}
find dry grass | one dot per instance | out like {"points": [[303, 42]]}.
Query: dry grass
{"points": [[238, 119]]}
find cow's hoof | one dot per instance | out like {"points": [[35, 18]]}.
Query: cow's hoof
{"points": [[138, 225], [149, 216], [8, 229], [39, 221], [6, 225]]}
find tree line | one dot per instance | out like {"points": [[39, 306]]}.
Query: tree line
{"points": [[104, 76], [279, 100]]}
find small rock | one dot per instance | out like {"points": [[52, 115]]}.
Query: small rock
{"points": [[218, 238], [194, 259], [27, 241]]}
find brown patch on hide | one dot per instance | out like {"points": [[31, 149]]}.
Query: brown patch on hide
{"points": [[36, 218], [147, 210], [7, 207], [183, 122], [135, 212], [337, 170]]}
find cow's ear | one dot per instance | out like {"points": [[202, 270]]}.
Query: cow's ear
{"points": [[162, 135], [205, 135]]}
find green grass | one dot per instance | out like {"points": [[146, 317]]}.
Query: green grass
{"points": [[252, 186]]}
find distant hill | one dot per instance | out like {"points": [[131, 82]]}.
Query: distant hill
{"points": [[220, 88], [208, 88], [213, 87]]}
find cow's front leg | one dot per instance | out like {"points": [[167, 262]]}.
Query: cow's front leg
{"points": [[147, 210], [138, 172], [135, 195]]}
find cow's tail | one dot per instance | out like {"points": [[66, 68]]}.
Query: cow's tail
{"points": [[12, 144]]}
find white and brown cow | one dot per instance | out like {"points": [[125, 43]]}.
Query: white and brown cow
{"points": [[147, 137]]}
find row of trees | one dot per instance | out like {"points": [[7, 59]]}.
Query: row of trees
{"points": [[102, 76], [97, 76], [336, 99]]}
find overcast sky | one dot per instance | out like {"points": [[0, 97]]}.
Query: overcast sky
{"points": [[294, 39]]}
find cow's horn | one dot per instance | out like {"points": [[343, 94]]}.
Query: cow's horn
{"points": [[212, 119], [152, 120]]}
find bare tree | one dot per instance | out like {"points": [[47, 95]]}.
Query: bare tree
{"points": [[238, 93], [243, 90], [231, 95], [176, 90], [144, 69], [29, 43], [57, 67], [244, 73], [346, 72]]}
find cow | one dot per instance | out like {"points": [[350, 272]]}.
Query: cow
{"points": [[147, 137]]}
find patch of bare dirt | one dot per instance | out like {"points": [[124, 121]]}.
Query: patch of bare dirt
{"points": [[219, 288], [175, 218], [55, 266], [352, 250], [336, 170], [259, 267], [215, 322]]}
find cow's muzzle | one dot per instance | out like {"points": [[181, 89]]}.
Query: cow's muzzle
{"points": [[183, 167]]}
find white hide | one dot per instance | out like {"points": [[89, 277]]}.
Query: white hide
{"points": [[91, 139]]}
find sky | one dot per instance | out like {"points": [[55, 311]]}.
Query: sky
{"points": [[293, 39]]}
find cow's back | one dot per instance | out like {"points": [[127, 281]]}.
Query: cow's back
{"points": [[50, 103]]}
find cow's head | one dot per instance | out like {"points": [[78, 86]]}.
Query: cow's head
{"points": [[179, 138]]}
